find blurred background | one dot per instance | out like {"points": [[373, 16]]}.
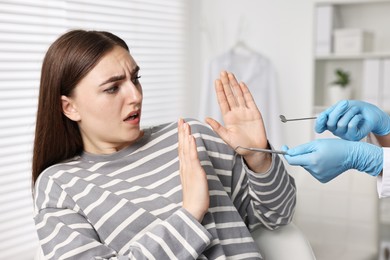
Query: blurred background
{"points": [[287, 52]]}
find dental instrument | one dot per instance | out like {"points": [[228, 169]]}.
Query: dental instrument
{"points": [[260, 150], [284, 119]]}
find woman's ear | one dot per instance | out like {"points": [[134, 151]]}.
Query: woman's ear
{"points": [[69, 109]]}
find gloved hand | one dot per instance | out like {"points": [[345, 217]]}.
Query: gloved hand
{"points": [[325, 159], [353, 120]]}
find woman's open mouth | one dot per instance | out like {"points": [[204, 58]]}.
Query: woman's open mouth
{"points": [[133, 117]]}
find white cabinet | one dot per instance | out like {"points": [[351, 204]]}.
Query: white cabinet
{"points": [[353, 36]]}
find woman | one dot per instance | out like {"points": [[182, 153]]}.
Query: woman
{"points": [[105, 188]]}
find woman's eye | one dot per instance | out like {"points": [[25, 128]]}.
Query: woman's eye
{"points": [[111, 90], [135, 80]]}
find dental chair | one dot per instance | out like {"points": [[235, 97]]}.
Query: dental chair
{"points": [[285, 243]]}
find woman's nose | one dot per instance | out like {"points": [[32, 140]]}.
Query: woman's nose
{"points": [[133, 92]]}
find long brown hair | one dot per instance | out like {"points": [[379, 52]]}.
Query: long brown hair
{"points": [[67, 61]]}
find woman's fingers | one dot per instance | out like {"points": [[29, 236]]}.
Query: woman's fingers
{"points": [[184, 144], [221, 97], [193, 177], [232, 94], [227, 90], [248, 98], [236, 88]]}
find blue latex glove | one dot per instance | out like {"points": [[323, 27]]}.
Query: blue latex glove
{"points": [[353, 120], [325, 159]]}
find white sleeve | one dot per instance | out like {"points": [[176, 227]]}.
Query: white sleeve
{"points": [[384, 180]]}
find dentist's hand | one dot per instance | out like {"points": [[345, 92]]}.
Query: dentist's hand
{"points": [[353, 120], [325, 159]]}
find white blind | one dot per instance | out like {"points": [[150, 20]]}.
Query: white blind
{"points": [[156, 32]]}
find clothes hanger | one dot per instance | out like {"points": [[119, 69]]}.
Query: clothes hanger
{"points": [[240, 44], [241, 47]]}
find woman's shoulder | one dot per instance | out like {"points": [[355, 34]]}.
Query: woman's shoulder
{"points": [[58, 169], [47, 188]]}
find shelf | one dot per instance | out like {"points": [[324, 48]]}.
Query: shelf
{"points": [[360, 56], [369, 69]]}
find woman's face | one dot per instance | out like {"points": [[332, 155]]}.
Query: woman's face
{"points": [[106, 104]]}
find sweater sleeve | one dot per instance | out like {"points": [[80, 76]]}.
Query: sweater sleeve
{"points": [[63, 233], [267, 198], [109, 227]]}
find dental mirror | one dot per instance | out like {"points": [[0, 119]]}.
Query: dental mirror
{"points": [[284, 119]]}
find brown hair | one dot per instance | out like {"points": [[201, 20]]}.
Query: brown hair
{"points": [[67, 61]]}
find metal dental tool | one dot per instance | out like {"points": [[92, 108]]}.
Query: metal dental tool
{"points": [[260, 150], [284, 119]]}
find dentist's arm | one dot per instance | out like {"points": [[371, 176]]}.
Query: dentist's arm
{"points": [[325, 159], [354, 120]]}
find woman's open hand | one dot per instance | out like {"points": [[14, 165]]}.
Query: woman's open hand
{"points": [[243, 121], [193, 178]]}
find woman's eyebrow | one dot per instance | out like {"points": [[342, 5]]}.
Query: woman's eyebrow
{"points": [[119, 77], [113, 79]]}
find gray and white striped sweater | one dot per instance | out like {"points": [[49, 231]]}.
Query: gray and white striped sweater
{"points": [[128, 205]]}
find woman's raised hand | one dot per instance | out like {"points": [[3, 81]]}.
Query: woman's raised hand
{"points": [[243, 121], [193, 178]]}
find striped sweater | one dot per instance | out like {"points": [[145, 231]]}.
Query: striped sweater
{"points": [[128, 205]]}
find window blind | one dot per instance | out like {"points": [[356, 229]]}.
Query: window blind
{"points": [[156, 32]]}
